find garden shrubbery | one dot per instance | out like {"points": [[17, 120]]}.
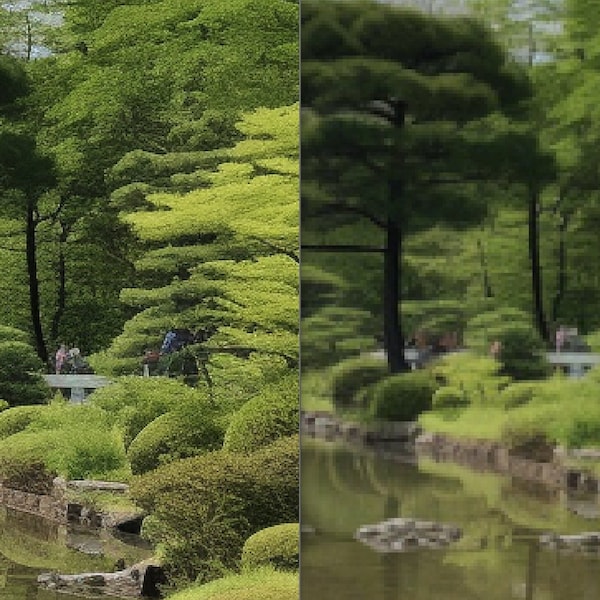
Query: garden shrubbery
{"points": [[17, 418], [134, 402], [74, 441], [351, 376], [522, 353], [20, 382], [186, 431], [272, 414], [204, 508], [402, 397], [278, 546]]}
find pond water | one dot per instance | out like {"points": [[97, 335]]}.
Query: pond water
{"points": [[498, 558], [30, 546]]}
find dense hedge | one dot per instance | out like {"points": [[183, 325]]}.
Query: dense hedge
{"points": [[20, 382], [522, 353], [351, 376], [204, 508], [402, 397], [186, 431], [75, 441], [271, 414], [134, 402], [18, 418], [278, 546], [261, 584]]}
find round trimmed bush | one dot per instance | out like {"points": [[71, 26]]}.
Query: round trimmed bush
{"points": [[449, 397], [278, 546], [205, 507], [522, 353], [271, 414], [402, 397], [134, 402], [17, 418], [187, 431], [351, 376]]}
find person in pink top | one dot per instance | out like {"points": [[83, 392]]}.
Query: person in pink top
{"points": [[61, 356]]}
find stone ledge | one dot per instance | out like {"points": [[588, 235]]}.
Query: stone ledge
{"points": [[133, 582]]}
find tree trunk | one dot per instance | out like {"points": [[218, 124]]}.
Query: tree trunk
{"points": [[536, 269], [34, 291], [392, 329]]}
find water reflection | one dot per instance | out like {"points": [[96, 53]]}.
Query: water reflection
{"points": [[498, 558], [30, 545]]}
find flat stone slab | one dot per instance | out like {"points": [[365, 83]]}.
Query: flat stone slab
{"points": [[76, 381], [403, 534], [93, 485]]}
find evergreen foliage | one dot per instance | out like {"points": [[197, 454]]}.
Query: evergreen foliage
{"points": [[277, 546], [185, 431], [204, 508], [20, 382], [271, 414]]}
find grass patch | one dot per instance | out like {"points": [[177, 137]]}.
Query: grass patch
{"points": [[261, 584]]}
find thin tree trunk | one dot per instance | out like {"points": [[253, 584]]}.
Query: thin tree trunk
{"points": [[34, 291], [392, 329], [536, 269]]}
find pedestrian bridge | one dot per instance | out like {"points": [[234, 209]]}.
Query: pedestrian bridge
{"points": [[76, 387], [575, 364]]}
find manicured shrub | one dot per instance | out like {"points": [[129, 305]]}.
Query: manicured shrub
{"points": [[204, 508], [17, 418], [272, 414], [134, 402], [10, 334], [75, 441], [522, 353], [186, 431], [449, 397], [402, 397], [278, 546], [350, 376], [260, 584], [20, 382]]}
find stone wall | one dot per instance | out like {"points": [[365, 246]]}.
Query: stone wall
{"points": [[51, 506], [487, 455]]}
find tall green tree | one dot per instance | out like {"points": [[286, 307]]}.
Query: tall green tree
{"points": [[392, 101]]}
